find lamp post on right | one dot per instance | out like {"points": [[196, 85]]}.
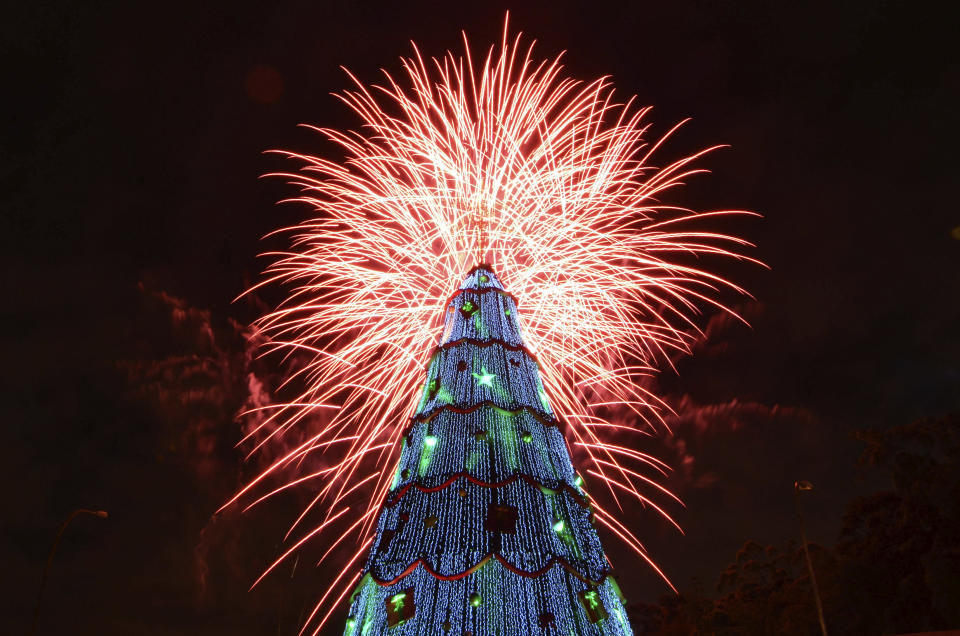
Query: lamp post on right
{"points": [[800, 487]]}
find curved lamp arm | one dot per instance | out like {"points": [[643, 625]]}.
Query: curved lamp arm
{"points": [[53, 550]]}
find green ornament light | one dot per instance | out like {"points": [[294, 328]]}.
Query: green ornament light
{"points": [[484, 378]]}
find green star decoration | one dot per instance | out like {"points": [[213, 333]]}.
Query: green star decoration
{"points": [[484, 378]]}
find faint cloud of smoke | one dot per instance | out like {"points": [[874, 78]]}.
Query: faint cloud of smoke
{"points": [[728, 416], [714, 339], [198, 377], [695, 425], [203, 382]]}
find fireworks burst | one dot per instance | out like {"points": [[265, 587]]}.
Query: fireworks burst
{"points": [[508, 162]]}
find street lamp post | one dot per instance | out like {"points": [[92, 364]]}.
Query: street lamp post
{"points": [[798, 487], [53, 550]]}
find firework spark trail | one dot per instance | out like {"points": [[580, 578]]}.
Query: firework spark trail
{"points": [[571, 218]]}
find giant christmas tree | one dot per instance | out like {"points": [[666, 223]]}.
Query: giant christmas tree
{"points": [[486, 529], [470, 515]]}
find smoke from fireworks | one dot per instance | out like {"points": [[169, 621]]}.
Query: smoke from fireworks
{"points": [[459, 161]]}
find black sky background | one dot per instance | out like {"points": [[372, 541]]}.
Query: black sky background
{"points": [[130, 163]]}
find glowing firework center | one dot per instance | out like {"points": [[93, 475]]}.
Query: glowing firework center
{"points": [[486, 528]]}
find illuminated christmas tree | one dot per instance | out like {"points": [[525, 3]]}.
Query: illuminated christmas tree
{"points": [[487, 528], [470, 515]]}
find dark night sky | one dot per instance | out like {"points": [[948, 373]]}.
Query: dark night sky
{"points": [[131, 151]]}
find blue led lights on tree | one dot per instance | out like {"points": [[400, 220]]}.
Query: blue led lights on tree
{"points": [[486, 530]]}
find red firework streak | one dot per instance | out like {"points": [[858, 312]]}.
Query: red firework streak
{"points": [[505, 161]]}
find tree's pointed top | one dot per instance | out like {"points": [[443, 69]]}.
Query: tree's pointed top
{"points": [[480, 277]]}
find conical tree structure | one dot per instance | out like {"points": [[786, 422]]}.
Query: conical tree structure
{"points": [[486, 530]]}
